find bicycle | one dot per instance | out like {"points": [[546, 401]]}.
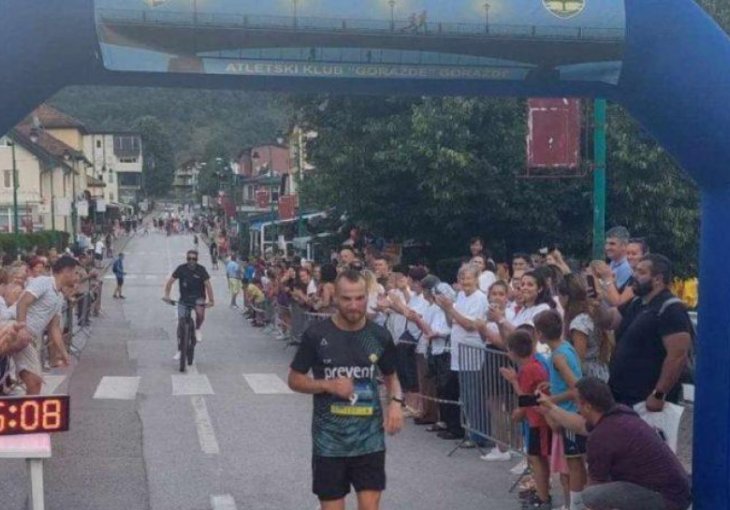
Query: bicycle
{"points": [[185, 333]]}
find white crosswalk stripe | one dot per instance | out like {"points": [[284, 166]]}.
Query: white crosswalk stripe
{"points": [[224, 502], [117, 388], [267, 384]]}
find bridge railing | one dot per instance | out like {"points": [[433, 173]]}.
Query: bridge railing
{"points": [[394, 27]]}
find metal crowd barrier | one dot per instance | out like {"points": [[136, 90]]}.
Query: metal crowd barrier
{"points": [[487, 399], [288, 323]]}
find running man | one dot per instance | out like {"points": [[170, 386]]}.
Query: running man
{"points": [[194, 286], [349, 420]]}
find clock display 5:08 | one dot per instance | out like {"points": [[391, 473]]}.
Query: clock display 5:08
{"points": [[28, 415]]}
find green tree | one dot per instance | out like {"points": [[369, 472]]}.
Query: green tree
{"points": [[215, 157], [441, 170], [159, 160], [193, 118]]}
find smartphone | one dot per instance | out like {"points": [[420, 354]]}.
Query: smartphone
{"points": [[527, 401], [591, 290]]}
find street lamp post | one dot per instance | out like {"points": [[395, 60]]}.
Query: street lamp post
{"points": [[74, 213], [486, 13], [274, 228], [294, 7], [392, 15]]}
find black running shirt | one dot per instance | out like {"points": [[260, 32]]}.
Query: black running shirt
{"points": [[347, 428]]}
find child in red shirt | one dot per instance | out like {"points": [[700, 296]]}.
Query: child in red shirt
{"points": [[530, 375]]}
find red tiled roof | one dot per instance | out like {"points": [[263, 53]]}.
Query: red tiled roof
{"points": [[48, 143], [50, 118]]}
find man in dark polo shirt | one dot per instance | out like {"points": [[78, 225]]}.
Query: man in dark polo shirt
{"points": [[653, 339], [629, 465]]}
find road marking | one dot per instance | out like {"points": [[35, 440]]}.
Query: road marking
{"points": [[267, 384], [51, 383], [224, 502], [117, 388], [126, 277], [206, 432], [150, 277], [191, 384]]}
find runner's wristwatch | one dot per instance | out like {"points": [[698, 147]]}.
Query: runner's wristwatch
{"points": [[401, 401], [659, 395]]}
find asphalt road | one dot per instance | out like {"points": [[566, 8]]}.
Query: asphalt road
{"points": [[228, 435]]}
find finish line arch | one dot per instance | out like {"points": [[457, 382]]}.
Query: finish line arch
{"points": [[673, 77]]}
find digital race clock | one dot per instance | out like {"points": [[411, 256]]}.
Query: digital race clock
{"points": [[34, 414]]}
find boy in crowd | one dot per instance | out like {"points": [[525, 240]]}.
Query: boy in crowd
{"points": [[531, 374], [255, 298], [565, 372]]}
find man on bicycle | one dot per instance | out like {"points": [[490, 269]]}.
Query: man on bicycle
{"points": [[194, 286]]}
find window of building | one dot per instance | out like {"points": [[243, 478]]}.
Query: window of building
{"points": [[274, 196], [132, 179], [98, 144], [111, 197], [111, 177], [127, 146], [8, 178]]}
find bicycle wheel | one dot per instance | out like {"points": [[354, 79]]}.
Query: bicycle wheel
{"points": [[191, 341], [183, 334]]}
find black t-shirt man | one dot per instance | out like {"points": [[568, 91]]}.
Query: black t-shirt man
{"points": [[347, 428], [637, 363], [192, 283]]}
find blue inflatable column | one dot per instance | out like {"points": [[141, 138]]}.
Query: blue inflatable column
{"points": [[711, 471]]}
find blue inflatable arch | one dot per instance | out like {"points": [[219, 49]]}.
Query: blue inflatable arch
{"points": [[675, 81]]}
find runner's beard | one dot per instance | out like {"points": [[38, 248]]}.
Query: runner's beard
{"points": [[353, 317]]}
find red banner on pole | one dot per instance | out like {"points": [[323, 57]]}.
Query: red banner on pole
{"points": [[287, 207], [554, 138]]}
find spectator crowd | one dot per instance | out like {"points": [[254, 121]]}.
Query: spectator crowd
{"points": [[45, 297], [593, 350]]}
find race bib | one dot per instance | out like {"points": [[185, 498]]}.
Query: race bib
{"points": [[362, 402]]}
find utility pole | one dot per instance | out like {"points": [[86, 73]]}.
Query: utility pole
{"points": [[74, 211], [300, 180], [599, 178]]}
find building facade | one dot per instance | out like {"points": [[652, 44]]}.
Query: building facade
{"points": [[116, 160]]}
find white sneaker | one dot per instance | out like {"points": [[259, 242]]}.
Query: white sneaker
{"points": [[519, 468], [176, 357], [198, 336], [495, 455]]}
